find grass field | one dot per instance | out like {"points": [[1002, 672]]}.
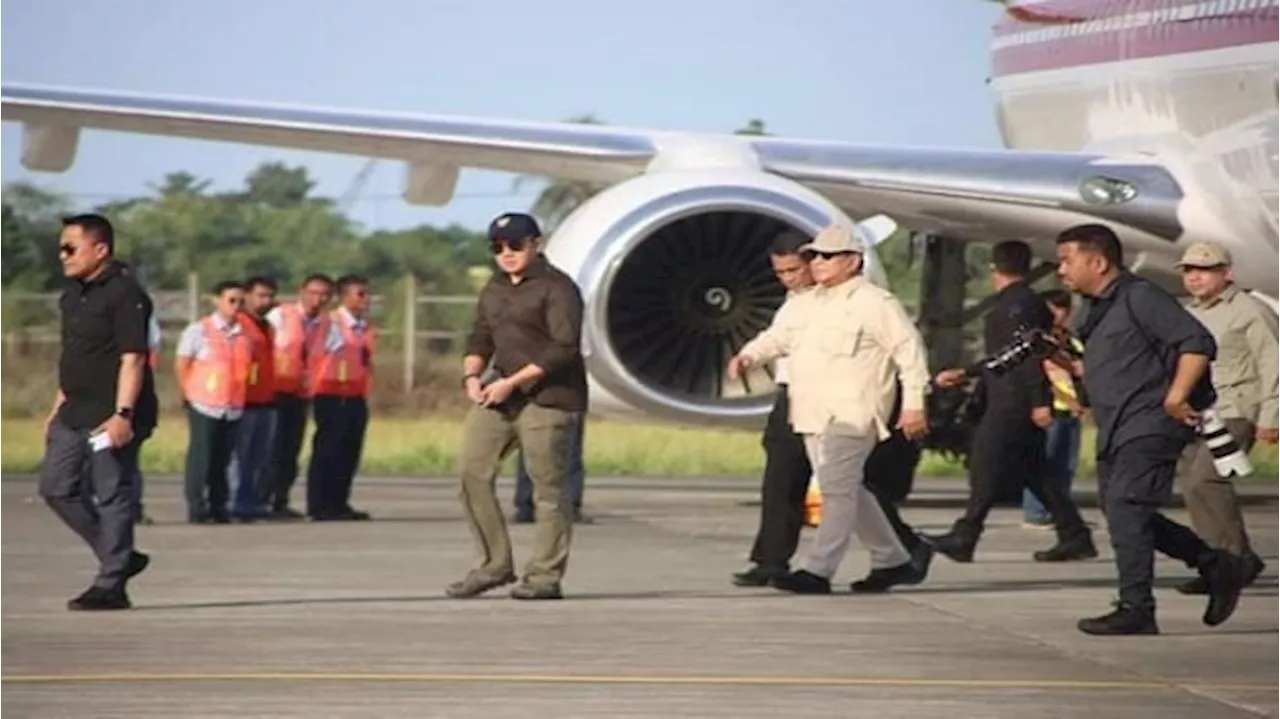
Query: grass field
{"points": [[427, 446]]}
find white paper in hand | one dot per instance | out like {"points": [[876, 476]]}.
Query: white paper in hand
{"points": [[100, 441]]}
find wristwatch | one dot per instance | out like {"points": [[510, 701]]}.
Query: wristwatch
{"points": [[126, 412]]}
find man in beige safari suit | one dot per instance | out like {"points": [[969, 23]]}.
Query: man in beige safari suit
{"points": [[843, 341], [528, 325], [1246, 377]]}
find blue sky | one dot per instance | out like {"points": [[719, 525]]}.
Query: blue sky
{"points": [[907, 72]]}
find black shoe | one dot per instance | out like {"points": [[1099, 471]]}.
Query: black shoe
{"points": [[1126, 619], [525, 590], [137, 562], [1072, 550], [880, 580], [97, 599], [351, 514], [802, 582], [953, 546], [286, 514], [1251, 568], [475, 584], [758, 576], [921, 558], [580, 518], [1224, 577], [522, 516]]}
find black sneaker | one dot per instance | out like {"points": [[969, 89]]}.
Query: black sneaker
{"points": [[1251, 570], [953, 546], [1125, 620], [881, 580], [137, 562], [99, 599]]}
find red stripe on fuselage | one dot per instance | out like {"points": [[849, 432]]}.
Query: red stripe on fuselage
{"points": [[1056, 48]]}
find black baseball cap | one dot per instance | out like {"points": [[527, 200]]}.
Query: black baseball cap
{"points": [[514, 228]]}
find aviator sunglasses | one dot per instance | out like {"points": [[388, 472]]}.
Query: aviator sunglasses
{"points": [[514, 245]]}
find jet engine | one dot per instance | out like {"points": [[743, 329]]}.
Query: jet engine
{"points": [[674, 270]]}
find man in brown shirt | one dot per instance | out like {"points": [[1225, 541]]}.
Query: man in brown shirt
{"points": [[534, 392]]}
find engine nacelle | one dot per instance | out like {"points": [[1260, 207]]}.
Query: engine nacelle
{"points": [[675, 273]]}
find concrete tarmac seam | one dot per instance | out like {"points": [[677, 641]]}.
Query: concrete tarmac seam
{"points": [[647, 680]]}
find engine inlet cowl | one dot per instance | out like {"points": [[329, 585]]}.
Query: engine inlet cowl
{"points": [[688, 297]]}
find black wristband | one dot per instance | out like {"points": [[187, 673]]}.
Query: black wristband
{"points": [[468, 376]]}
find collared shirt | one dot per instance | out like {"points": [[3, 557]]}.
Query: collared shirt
{"points": [[193, 344], [332, 340], [845, 346], [780, 375], [1133, 333], [1246, 372], [102, 320], [537, 320]]}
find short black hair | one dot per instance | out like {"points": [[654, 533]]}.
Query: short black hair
{"points": [[788, 242], [225, 285], [1095, 238], [346, 281], [1058, 298], [263, 280], [318, 277], [1012, 258], [95, 226]]}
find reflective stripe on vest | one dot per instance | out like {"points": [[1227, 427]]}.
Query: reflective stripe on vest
{"points": [[261, 379], [220, 379], [345, 373]]}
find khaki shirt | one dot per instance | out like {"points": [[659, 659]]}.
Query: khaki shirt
{"points": [[1246, 372], [843, 345]]}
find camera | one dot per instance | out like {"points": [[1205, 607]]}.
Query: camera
{"points": [[1228, 457], [1027, 342]]}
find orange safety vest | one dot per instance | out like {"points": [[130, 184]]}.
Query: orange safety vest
{"points": [[221, 378], [262, 374], [347, 372], [294, 344]]}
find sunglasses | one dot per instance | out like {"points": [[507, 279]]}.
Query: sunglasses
{"points": [[825, 255], [497, 246]]}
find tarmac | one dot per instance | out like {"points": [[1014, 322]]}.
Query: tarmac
{"points": [[350, 620]]}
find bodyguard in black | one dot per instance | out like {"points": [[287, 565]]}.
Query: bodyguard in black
{"points": [[105, 402], [1008, 442], [1145, 372]]}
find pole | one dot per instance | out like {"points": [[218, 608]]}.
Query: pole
{"points": [[410, 329]]}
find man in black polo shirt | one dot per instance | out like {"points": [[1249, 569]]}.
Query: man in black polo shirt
{"points": [[528, 323], [1145, 370], [105, 402]]}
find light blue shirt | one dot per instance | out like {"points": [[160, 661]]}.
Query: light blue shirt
{"points": [[194, 345]]}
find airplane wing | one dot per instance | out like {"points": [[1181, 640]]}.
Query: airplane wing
{"points": [[978, 194]]}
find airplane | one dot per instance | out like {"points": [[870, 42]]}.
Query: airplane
{"points": [[1155, 117]]}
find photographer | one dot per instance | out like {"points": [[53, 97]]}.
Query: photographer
{"points": [[529, 323], [1009, 442], [1145, 371]]}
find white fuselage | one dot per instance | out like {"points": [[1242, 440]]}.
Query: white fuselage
{"points": [[1195, 82]]}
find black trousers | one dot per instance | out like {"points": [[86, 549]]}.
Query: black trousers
{"points": [[93, 494], [291, 426], [786, 478], [335, 452], [208, 455], [1008, 451], [1134, 481]]}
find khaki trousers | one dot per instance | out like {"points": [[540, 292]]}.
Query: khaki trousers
{"points": [[1211, 500], [545, 436]]}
